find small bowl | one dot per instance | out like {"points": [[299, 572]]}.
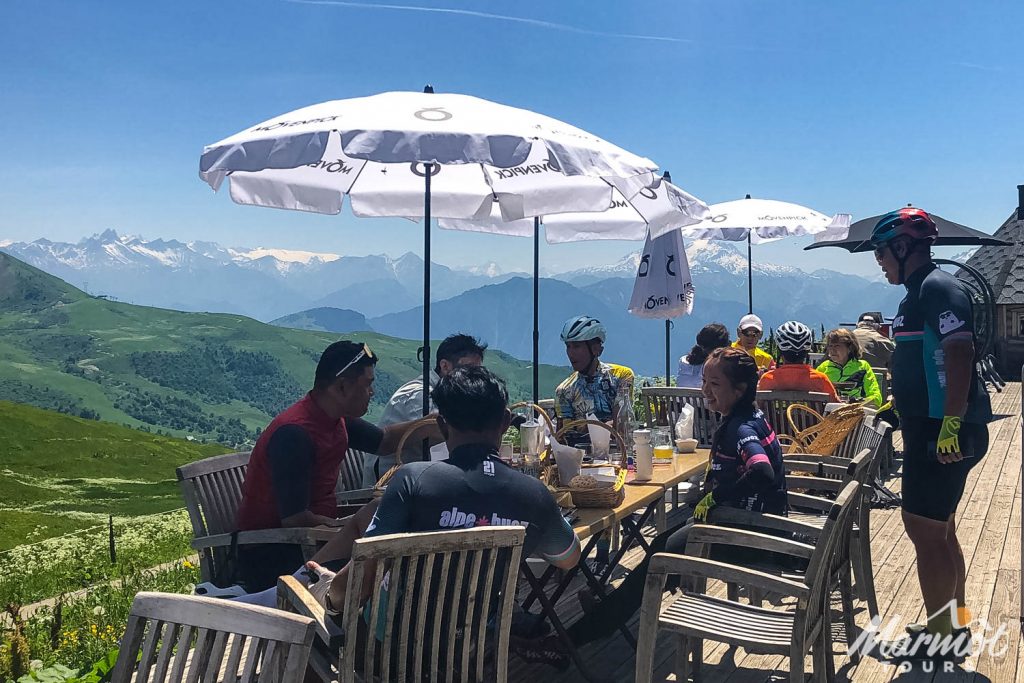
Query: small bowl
{"points": [[686, 445]]}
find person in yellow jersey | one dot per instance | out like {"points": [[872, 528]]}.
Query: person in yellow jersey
{"points": [[594, 386], [748, 334]]}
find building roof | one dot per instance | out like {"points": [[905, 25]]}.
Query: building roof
{"points": [[1003, 267]]}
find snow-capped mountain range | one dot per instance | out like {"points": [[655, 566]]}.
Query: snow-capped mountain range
{"points": [[267, 283], [703, 255], [262, 282]]}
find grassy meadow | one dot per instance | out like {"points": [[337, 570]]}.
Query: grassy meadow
{"points": [[60, 473], [217, 377]]}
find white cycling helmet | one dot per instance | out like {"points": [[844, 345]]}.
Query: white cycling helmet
{"points": [[583, 328], [793, 336]]}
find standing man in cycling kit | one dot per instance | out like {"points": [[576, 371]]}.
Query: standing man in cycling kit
{"points": [[944, 410]]}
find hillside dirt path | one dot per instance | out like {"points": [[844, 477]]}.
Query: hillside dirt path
{"points": [[29, 610]]}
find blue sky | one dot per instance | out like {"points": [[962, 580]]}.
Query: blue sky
{"points": [[842, 106]]}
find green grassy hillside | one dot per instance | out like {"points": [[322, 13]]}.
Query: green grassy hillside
{"points": [[61, 473], [217, 377]]}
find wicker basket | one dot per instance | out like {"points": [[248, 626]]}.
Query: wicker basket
{"points": [[382, 483], [605, 494], [824, 437]]}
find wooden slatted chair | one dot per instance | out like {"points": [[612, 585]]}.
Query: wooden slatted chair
{"points": [[434, 620], [873, 441], [182, 637], [662, 405], [882, 375], [775, 403], [826, 476], [350, 489], [810, 512], [212, 489], [692, 615]]}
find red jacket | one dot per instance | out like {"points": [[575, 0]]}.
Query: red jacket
{"points": [[798, 377], [258, 509]]}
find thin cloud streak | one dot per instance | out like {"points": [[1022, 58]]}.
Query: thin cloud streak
{"points": [[493, 17], [978, 67]]}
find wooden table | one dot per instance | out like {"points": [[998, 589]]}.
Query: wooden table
{"points": [[592, 521], [669, 476], [683, 466], [646, 498]]}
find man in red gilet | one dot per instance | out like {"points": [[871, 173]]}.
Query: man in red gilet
{"points": [[294, 466]]}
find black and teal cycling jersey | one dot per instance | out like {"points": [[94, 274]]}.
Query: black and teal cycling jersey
{"points": [[936, 308]]}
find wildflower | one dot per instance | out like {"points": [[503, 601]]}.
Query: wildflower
{"points": [[188, 565], [35, 664], [98, 610]]}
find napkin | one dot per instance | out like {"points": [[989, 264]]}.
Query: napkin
{"points": [[569, 461]]}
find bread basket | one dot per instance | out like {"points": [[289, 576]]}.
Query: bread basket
{"points": [[603, 494]]}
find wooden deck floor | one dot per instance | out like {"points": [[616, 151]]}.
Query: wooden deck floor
{"points": [[989, 528]]}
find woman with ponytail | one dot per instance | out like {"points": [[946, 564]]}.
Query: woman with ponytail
{"points": [[691, 366]]}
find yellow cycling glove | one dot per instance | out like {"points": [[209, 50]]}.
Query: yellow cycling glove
{"points": [[700, 513], [949, 436]]}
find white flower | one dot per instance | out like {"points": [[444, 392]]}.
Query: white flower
{"points": [[98, 610], [35, 664], [190, 588]]}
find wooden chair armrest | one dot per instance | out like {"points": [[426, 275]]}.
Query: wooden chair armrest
{"points": [[814, 483], [293, 597], [802, 500], [817, 457], [707, 534], [702, 568], [294, 536], [729, 516], [816, 468], [354, 496]]}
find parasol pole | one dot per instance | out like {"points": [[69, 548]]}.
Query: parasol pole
{"points": [[428, 171], [750, 274], [536, 307], [668, 352]]}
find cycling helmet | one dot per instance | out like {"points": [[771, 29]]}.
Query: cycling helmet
{"points": [[793, 336], [582, 328], [913, 223]]}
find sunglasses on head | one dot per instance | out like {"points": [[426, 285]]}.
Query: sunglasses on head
{"points": [[365, 352], [751, 332]]}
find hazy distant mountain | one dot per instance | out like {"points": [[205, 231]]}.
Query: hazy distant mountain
{"points": [[271, 284], [502, 313], [262, 283], [325, 320]]}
